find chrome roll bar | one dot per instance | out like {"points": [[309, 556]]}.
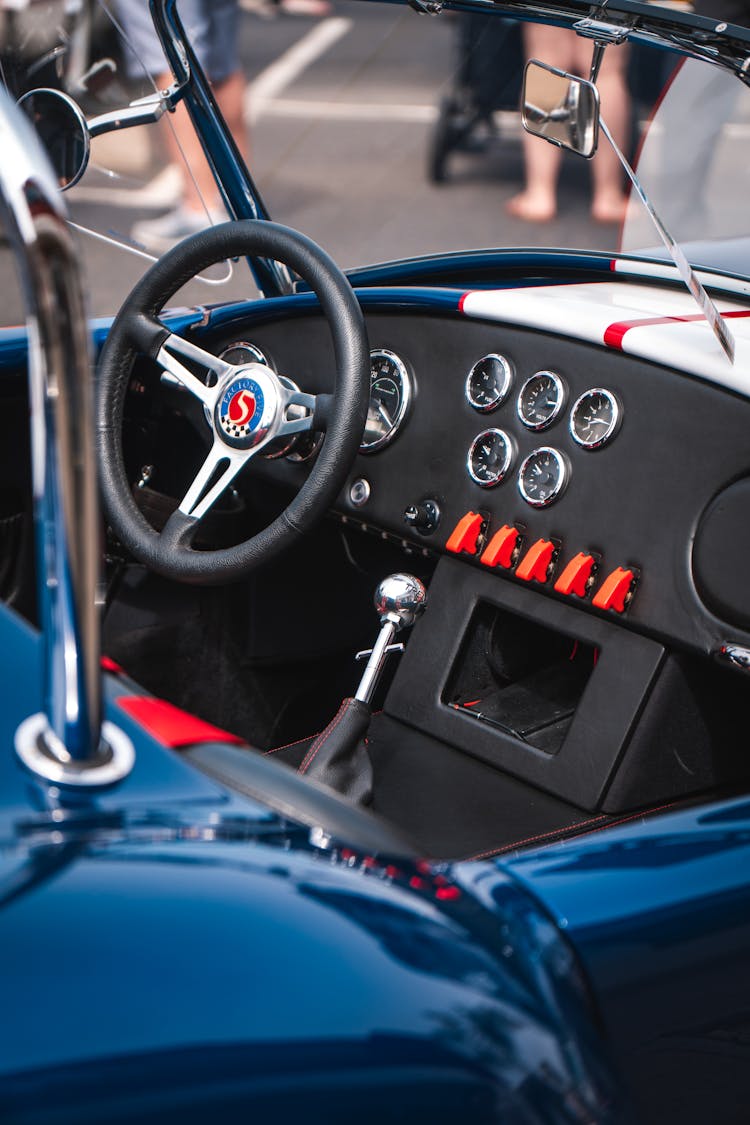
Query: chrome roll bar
{"points": [[66, 743]]}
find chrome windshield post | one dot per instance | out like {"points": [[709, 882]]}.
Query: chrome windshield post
{"points": [[67, 743], [232, 176]]}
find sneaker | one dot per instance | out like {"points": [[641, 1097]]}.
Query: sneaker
{"points": [[161, 234]]}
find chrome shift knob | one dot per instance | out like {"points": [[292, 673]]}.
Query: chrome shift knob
{"points": [[400, 598]]}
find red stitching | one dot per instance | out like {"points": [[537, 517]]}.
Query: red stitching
{"points": [[639, 815], [571, 827], [323, 736], [541, 836], [297, 741], [288, 745]]}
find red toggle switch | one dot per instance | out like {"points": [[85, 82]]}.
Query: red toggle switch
{"points": [[466, 534], [535, 564], [615, 591], [503, 547], [577, 576]]}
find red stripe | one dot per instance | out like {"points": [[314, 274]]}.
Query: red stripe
{"points": [[461, 300], [613, 336], [171, 725]]}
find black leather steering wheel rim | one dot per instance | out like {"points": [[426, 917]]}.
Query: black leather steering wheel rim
{"points": [[137, 329]]}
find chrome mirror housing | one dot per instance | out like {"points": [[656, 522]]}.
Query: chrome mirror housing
{"points": [[62, 129], [561, 108]]}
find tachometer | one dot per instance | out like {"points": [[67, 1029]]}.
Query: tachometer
{"points": [[543, 476], [489, 457], [541, 399], [488, 382], [390, 395], [595, 418]]}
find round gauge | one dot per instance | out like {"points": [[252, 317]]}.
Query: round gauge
{"points": [[390, 395], [595, 418], [488, 382], [542, 477], [242, 352], [489, 457], [541, 399]]}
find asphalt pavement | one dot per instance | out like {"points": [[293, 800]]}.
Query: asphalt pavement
{"points": [[341, 111]]}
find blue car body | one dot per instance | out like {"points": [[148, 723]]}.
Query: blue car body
{"points": [[173, 948]]}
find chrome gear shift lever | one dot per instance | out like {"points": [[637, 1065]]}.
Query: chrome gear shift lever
{"points": [[399, 600], [339, 756]]}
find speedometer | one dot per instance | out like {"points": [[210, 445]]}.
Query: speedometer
{"points": [[390, 395]]}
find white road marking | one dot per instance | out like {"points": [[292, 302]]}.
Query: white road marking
{"points": [[161, 191], [289, 65], [350, 111]]}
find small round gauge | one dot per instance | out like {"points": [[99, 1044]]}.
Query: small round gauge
{"points": [[541, 399], [542, 477], [488, 382], [489, 457], [595, 418], [242, 352], [390, 395]]}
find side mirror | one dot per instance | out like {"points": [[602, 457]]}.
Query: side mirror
{"points": [[62, 129], [561, 108]]}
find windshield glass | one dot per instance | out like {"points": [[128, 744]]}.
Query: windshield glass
{"points": [[378, 132], [694, 166]]}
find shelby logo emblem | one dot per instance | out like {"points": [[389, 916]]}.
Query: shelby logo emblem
{"points": [[240, 410]]}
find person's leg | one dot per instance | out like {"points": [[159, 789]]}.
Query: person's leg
{"points": [[538, 201], [608, 200]]}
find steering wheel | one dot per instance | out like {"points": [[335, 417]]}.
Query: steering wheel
{"points": [[245, 406]]}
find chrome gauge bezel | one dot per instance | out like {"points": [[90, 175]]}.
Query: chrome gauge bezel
{"points": [[508, 372], [613, 427], [257, 355], [562, 482], [407, 390], [503, 471], [562, 394]]}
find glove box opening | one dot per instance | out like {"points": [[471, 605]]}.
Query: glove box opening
{"points": [[520, 677]]}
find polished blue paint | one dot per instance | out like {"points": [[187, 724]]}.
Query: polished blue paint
{"points": [[658, 910], [482, 269], [228, 961]]}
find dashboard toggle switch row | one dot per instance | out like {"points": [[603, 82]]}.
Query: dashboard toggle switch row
{"points": [[538, 563]]}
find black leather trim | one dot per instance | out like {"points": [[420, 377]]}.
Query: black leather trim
{"points": [[282, 789]]}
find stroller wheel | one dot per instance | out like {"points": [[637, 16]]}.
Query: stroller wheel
{"points": [[446, 135]]}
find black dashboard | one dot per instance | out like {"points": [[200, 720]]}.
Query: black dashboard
{"points": [[572, 632], [633, 505]]}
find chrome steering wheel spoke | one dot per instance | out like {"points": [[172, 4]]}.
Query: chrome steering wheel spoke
{"points": [[297, 411], [216, 473], [169, 362]]}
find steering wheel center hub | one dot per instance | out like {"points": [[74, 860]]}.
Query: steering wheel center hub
{"points": [[246, 409]]}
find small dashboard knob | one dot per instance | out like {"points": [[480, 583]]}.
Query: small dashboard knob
{"points": [[400, 599], [423, 517]]}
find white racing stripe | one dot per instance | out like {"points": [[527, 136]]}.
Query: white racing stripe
{"points": [[289, 65]]}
